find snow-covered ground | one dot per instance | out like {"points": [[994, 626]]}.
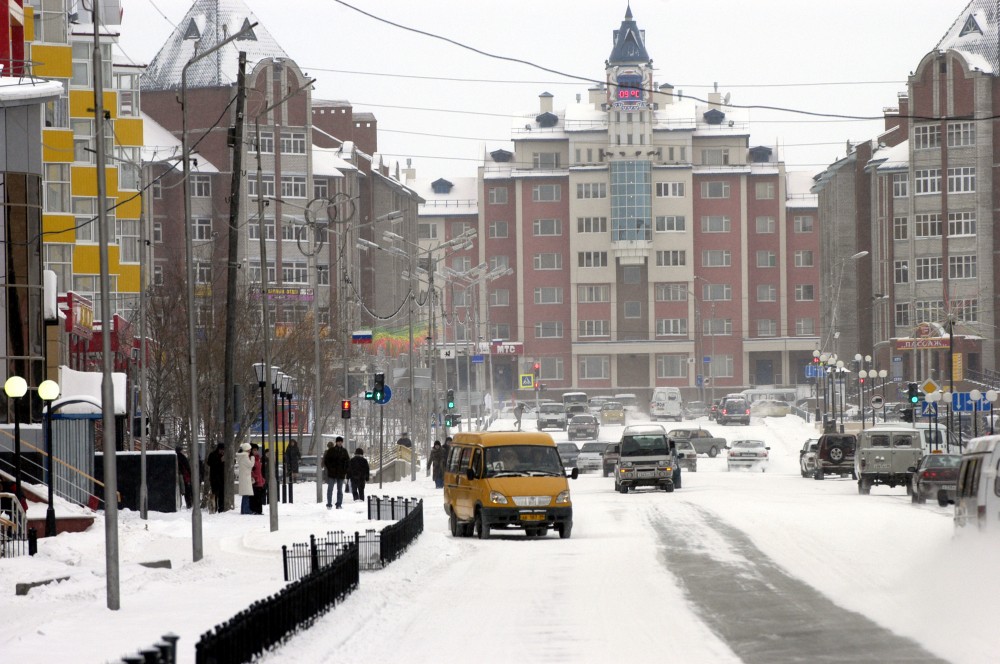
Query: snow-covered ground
{"points": [[508, 598]]}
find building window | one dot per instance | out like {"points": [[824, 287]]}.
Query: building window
{"points": [[461, 264], [498, 195], [253, 229], [157, 232], [321, 188], [929, 268], [499, 263], [966, 310], [546, 227], [157, 275], [669, 189], [961, 134], [202, 229], [548, 295], [716, 224], [804, 293], [499, 230], [716, 258], [961, 223], [671, 327], [764, 191], [499, 297], [962, 267], [716, 293], [901, 272], [928, 310], [266, 143], [549, 330], [903, 315], [961, 180], [767, 258], [715, 157], [928, 225], [802, 224], [323, 275], [594, 367], [546, 193], [594, 328], [592, 259], [671, 292], [670, 258], [57, 188], [500, 331], [267, 186], [293, 142], [900, 228], [717, 327], [592, 225], [547, 261], [715, 190], [203, 273], [590, 293], [765, 225], [295, 273], [85, 210], [293, 186], [632, 309], [253, 273], [427, 231], [767, 293], [926, 137], [669, 224], [59, 259], [927, 181], [631, 274], [671, 366], [804, 258], [900, 185], [201, 186], [767, 328], [805, 327], [721, 366], [592, 190], [545, 160]]}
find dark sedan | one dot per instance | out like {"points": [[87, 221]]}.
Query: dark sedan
{"points": [[568, 452], [583, 426], [935, 477]]}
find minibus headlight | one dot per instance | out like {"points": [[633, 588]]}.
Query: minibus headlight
{"points": [[498, 498], [563, 497]]}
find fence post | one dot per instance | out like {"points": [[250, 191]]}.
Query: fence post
{"points": [[313, 554], [284, 560], [32, 541], [171, 640]]}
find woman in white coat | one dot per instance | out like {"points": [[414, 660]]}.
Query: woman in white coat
{"points": [[244, 470]]}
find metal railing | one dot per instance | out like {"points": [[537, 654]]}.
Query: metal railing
{"points": [[391, 509], [266, 623], [16, 539], [164, 652]]}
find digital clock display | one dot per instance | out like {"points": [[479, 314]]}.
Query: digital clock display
{"points": [[629, 93]]}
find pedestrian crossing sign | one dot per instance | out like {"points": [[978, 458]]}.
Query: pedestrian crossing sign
{"points": [[527, 381]]}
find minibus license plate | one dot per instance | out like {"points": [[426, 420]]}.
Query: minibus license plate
{"points": [[532, 517]]}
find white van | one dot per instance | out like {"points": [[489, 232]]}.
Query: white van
{"points": [[978, 494], [666, 404]]}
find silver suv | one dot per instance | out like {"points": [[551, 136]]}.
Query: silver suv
{"points": [[646, 460], [887, 455], [552, 416]]}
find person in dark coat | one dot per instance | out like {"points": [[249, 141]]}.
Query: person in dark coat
{"points": [[404, 440], [217, 476], [184, 474], [292, 457], [435, 464], [257, 475], [335, 461], [359, 471]]}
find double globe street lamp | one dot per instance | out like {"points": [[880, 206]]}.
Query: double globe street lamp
{"points": [[48, 392]]}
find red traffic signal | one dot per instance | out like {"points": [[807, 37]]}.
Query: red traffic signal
{"points": [[345, 409]]}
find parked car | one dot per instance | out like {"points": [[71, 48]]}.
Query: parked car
{"points": [[935, 477], [687, 456], [734, 410], [611, 458], [612, 412], [807, 457], [583, 426], [569, 453], [886, 455], [552, 416], [591, 457], [695, 409], [702, 439], [749, 454], [835, 455]]}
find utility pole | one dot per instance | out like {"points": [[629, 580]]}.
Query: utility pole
{"points": [[236, 142]]}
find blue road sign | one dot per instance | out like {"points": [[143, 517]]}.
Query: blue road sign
{"points": [[477, 359], [700, 380], [707, 359], [961, 402], [812, 371], [928, 409], [385, 396]]}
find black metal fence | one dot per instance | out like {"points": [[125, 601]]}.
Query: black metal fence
{"points": [[271, 621], [16, 539], [164, 652], [396, 537], [390, 509]]}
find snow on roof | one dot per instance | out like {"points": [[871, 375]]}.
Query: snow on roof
{"points": [[893, 158], [16, 88], [974, 34], [461, 199], [205, 25], [798, 194], [158, 144], [328, 162]]}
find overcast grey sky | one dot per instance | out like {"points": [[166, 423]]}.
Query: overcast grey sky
{"points": [[837, 56]]}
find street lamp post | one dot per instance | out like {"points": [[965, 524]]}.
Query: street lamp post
{"points": [[48, 391], [15, 388], [842, 264], [276, 378], [262, 377]]}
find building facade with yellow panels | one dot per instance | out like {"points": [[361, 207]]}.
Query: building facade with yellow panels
{"points": [[62, 51]]}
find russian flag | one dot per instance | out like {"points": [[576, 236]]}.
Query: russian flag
{"points": [[361, 337]]}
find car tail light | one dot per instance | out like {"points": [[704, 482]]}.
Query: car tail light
{"points": [[748, 412], [929, 474]]}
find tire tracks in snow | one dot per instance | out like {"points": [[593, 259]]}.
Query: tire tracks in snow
{"points": [[762, 613]]}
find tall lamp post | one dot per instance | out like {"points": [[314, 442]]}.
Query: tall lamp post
{"points": [[262, 378], [15, 388], [48, 392], [842, 264], [276, 377]]}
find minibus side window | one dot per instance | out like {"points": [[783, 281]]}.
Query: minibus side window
{"points": [[453, 457], [477, 462], [463, 462]]}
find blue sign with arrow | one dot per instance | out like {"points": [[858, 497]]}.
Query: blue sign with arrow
{"points": [[386, 395]]}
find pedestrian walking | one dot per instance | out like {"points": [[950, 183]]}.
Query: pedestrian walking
{"points": [[244, 476], [435, 464], [518, 412], [183, 474], [359, 471], [335, 461], [257, 502], [216, 462], [265, 461], [292, 456]]}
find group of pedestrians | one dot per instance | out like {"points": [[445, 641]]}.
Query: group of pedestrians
{"points": [[340, 468], [250, 479]]}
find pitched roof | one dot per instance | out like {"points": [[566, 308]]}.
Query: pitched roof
{"points": [[975, 34], [630, 47], [207, 23]]}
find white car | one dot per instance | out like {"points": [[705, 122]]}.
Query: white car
{"points": [[748, 454], [591, 457]]}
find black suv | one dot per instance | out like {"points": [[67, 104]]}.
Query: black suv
{"points": [[734, 410], [835, 455]]}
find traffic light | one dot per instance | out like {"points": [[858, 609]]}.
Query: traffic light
{"points": [[449, 420], [907, 415], [912, 394], [369, 396], [345, 409], [538, 372], [451, 399], [378, 391]]}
